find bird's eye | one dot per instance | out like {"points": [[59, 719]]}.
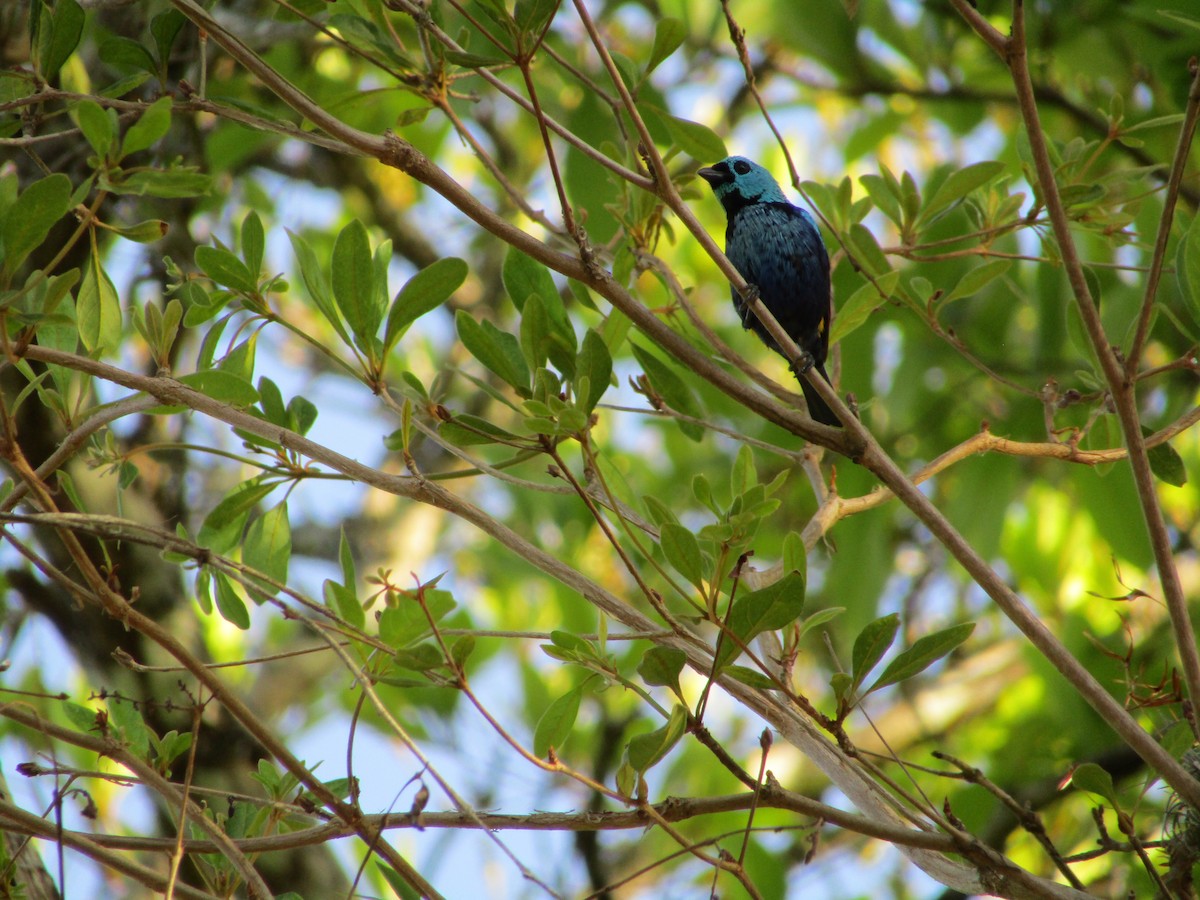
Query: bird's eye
{"points": [[741, 167]]}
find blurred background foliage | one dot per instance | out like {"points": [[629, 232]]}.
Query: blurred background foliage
{"points": [[903, 129]]}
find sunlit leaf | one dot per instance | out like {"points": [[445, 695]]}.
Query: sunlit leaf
{"points": [[923, 653], [555, 724], [424, 292], [871, 644], [498, 350]]}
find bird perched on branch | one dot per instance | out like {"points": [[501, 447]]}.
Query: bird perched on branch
{"points": [[778, 250]]}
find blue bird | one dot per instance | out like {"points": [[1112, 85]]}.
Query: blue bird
{"points": [[778, 250]]}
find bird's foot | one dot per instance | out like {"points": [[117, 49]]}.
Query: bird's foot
{"points": [[750, 294], [804, 362]]}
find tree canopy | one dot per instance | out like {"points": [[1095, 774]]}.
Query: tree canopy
{"points": [[396, 506]]}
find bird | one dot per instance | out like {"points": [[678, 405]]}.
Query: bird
{"points": [[777, 248]]}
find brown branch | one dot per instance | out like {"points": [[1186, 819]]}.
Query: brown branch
{"points": [[674, 809], [94, 847], [99, 591], [1121, 384], [1187, 132], [115, 750], [855, 442]]}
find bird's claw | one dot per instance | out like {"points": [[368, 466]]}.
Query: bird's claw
{"points": [[804, 362], [750, 294]]}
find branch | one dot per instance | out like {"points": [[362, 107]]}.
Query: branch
{"points": [[1187, 131], [1120, 383], [855, 442], [795, 728]]}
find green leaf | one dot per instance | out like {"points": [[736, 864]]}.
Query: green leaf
{"points": [[474, 60], [958, 185], [820, 617], [628, 781], [532, 16], [57, 329], [795, 554], [82, 718], [677, 395], [222, 386], [204, 591], [421, 658], [169, 184], [647, 749], [221, 530], [870, 645], [365, 33], [1165, 462], [125, 85], [144, 232], [554, 727], [1095, 780], [224, 268], [1156, 122], [742, 475], [698, 141], [661, 666], [58, 41], [595, 364], [751, 678], [149, 128], [524, 277], [1181, 18], [30, 218], [702, 491], [535, 331], [270, 401], [125, 54], [498, 350], [461, 649], [253, 243], [301, 414], [353, 271], [1187, 267], [466, 430], [884, 193], [923, 653], [855, 311], [98, 311], [682, 551], [98, 127], [165, 27], [910, 197], [425, 291], [240, 362], [977, 279], [867, 251], [344, 601], [768, 609], [317, 282], [346, 559], [842, 686], [268, 543], [397, 882], [130, 728], [396, 629], [669, 34], [230, 604]]}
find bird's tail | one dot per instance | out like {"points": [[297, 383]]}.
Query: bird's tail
{"points": [[818, 408]]}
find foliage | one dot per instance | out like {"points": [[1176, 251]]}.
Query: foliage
{"points": [[386, 461]]}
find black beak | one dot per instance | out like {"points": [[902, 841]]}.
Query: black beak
{"points": [[715, 177]]}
